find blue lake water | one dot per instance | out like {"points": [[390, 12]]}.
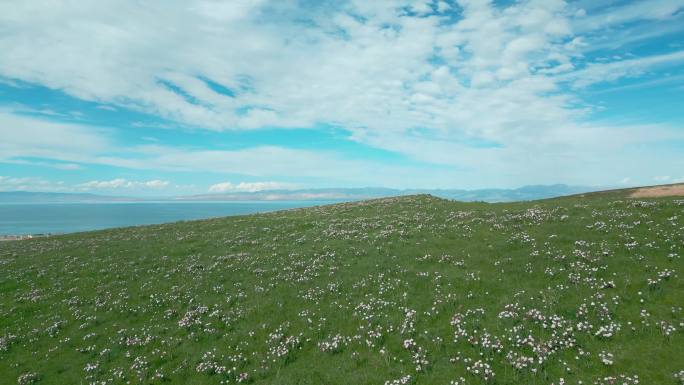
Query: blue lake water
{"points": [[42, 218]]}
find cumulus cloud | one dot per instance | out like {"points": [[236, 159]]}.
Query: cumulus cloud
{"points": [[39, 184], [423, 79], [225, 187], [355, 64], [120, 183]]}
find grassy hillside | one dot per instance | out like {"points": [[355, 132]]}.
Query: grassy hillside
{"points": [[411, 290]]}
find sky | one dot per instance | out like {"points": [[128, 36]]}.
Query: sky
{"points": [[200, 96]]}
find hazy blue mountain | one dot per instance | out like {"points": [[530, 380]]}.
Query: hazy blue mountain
{"points": [[323, 194], [519, 194], [488, 195]]}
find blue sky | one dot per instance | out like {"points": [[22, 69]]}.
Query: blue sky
{"points": [[190, 97]]}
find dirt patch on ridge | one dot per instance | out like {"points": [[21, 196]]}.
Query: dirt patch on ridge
{"points": [[658, 191]]}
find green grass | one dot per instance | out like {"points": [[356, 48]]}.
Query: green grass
{"points": [[358, 293]]}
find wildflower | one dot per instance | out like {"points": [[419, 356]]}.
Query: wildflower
{"points": [[407, 379], [27, 378], [606, 358]]}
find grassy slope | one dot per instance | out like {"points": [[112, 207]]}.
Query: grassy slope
{"points": [[190, 301]]}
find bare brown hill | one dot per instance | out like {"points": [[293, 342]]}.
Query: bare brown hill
{"points": [[658, 191]]}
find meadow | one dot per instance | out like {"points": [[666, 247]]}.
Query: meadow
{"points": [[409, 290]]}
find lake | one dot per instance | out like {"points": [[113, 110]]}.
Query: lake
{"points": [[55, 218]]}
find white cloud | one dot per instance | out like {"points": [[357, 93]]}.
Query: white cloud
{"points": [[631, 11], [582, 154], [248, 187], [368, 70], [156, 183], [24, 136], [39, 184], [8, 183], [120, 183], [426, 87], [56, 165], [30, 137], [604, 72]]}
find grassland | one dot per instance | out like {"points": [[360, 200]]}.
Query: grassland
{"points": [[410, 290]]}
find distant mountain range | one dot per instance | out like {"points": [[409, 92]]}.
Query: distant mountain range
{"points": [[326, 194]]}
